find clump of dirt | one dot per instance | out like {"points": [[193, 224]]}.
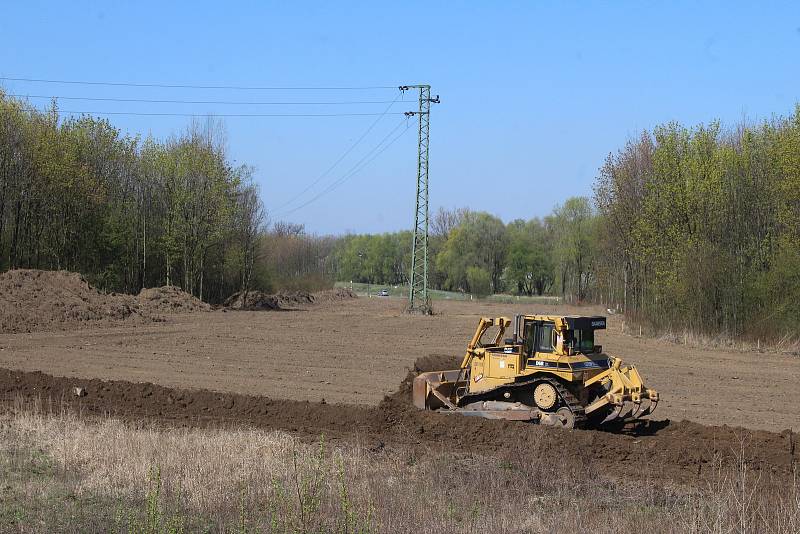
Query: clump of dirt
{"points": [[181, 407], [285, 300], [170, 299], [33, 300]]}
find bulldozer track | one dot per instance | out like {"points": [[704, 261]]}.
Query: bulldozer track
{"points": [[567, 398], [570, 401]]}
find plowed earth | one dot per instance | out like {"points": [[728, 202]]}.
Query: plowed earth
{"points": [[682, 451], [341, 368], [358, 350]]}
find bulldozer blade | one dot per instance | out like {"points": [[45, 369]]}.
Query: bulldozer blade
{"points": [[435, 390]]}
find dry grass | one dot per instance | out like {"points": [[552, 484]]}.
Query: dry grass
{"points": [[785, 344], [65, 473]]}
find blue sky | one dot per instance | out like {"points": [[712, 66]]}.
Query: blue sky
{"points": [[534, 94]]}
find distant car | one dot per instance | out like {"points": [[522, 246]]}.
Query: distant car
{"points": [[383, 293]]}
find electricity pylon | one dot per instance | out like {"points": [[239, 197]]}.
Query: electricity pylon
{"points": [[418, 299]]}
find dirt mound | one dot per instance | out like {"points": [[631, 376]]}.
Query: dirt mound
{"points": [[401, 399], [286, 300], [181, 407], [33, 300], [295, 298], [334, 295], [169, 299], [436, 362], [253, 300], [681, 451]]}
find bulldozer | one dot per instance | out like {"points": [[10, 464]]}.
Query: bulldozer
{"points": [[550, 371]]}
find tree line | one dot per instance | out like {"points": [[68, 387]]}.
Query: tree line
{"points": [[688, 228], [695, 228], [128, 213], [700, 227], [475, 252]]}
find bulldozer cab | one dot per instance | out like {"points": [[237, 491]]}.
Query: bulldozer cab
{"points": [[566, 335]]}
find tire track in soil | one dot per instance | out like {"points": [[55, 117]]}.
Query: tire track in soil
{"points": [[681, 451]]}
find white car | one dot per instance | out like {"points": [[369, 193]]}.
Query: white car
{"points": [[383, 293]]}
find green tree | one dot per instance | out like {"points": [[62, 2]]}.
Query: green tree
{"points": [[479, 241], [76, 194], [698, 228], [479, 281], [529, 264], [573, 228]]}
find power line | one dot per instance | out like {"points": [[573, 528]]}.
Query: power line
{"points": [[335, 163], [355, 169], [187, 86], [146, 114], [222, 102], [349, 174]]}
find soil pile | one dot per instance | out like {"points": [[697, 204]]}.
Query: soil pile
{"points": [[285, 300], [33, 300], [682, 451], [169, 299], [289, 299], [334, 295], [252, 300]]}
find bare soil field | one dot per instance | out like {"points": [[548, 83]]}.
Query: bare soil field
{"points": [[341, 367], [357, 351]]}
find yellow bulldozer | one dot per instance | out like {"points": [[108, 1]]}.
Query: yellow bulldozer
{"points": [[550, 371]]}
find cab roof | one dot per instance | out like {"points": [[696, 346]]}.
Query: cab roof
{"points": [[573, 322]]}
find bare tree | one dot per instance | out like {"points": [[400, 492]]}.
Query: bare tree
{"points": [[444, 221]]}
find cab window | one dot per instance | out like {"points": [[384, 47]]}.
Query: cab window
{"points": [[584, 340], [545, 341], [530, 338], [581, 340]]}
